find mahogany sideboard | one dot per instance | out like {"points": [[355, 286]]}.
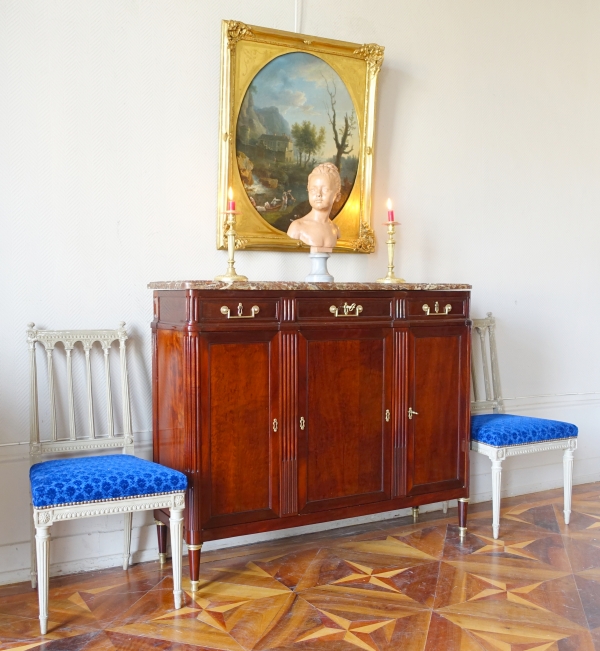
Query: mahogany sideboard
{"points": [[288, 404]]}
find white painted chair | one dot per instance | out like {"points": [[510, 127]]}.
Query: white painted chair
{"points": [[80, 487], [499, 435]]}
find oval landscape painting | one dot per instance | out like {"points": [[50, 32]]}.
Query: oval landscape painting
{"points": [[296, 114]]}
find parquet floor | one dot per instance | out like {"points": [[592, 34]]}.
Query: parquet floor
{"points": [[385, 586]]}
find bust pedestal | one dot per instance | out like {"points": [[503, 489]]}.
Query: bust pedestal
{"points": [[318, 272]]}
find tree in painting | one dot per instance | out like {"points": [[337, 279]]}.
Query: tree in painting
{"points": [[341, 135], [307, 141]]}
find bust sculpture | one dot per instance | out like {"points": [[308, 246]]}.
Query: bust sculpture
{"points": [[316, 229]]}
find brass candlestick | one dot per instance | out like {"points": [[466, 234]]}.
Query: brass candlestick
{"points": [[231, 276], [390, 278]]}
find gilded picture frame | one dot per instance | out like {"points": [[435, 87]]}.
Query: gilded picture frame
{"points": [[290, 101]]}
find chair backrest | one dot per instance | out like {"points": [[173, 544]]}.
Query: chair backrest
{"points": [[484, 351], [62, 391]]}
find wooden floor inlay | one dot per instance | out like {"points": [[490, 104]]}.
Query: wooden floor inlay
{"points": [[386, 586]]}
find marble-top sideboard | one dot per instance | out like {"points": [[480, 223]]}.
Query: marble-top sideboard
{"points": [[294, 403]]}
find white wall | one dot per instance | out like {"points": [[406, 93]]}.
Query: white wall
{"points": [[488, 139]]}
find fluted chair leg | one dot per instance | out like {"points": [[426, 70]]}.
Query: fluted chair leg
{"points": [[33, 571], [127, 520], [176, 524], [496, 485], [568, 477], [42, 544]]}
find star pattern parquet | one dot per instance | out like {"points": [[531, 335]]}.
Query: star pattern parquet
{"points": [[386, 586]]}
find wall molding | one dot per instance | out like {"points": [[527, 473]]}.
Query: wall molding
{"points": [[557, 401], [19, 451]]}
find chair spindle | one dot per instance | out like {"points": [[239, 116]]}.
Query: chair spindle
{"points": [[109, 405], [499, 408], [51, 393], [71, 397], [127, 429], [34, 423], [481, 330], [88, 368]]}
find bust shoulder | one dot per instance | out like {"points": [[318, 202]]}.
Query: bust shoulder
{"points": [[294, 229]]}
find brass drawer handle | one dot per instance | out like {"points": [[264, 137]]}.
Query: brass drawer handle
{"points": [[240, 309], [348, 309], [411, 413], [302, 423], [436, 307]]}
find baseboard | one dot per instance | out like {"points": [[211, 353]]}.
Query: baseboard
{"points": [[81, 565]]}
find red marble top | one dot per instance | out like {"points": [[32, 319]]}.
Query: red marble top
{"points": [[290, 285]]}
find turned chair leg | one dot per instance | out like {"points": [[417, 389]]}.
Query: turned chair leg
{"points": [[568, 477], [42, 545], [176, 523], [127, 520], [496, 484], [463, 507], [194, 552]]}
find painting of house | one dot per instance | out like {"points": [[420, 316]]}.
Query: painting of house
{"points": [[275, 147]]}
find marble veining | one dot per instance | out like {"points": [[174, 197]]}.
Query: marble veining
{"points": [[279, 285]]}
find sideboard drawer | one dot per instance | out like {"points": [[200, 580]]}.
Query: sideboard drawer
{"points": [[239, 310], [347, 308], [435, 307]]}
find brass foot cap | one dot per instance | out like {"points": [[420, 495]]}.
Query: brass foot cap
{"points": [[195, 586], [162, 558]]}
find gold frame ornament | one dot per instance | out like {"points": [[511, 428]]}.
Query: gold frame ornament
{"points": [[245, 51]]}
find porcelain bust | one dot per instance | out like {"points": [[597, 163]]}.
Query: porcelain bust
{"points": [[316, 229]]}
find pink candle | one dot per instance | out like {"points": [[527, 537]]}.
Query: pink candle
{"points": [[390, 211], [231, 202]]}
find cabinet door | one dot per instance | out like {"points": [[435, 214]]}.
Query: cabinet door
{"points": [[240, 440], [344, 441], [438, 391]]}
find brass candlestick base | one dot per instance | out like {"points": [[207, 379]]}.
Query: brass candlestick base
{"points": [[390, 278], [231, 276]]}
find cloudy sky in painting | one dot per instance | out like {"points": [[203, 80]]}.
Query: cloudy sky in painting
{"points": [[296, 84]]}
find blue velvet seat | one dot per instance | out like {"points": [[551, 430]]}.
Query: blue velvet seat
{"points": [[499, 435], [501, 430], [85, 480], [71, 487]]}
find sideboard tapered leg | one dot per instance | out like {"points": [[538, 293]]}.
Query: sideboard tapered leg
{"points": [[463, 504], [161, 531], [194, 557]]}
